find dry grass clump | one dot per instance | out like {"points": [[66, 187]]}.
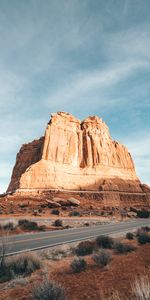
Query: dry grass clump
{"points": [[85, 248], [129, 236], [103, 258], [141, 288], [48, 291], [143, 214], [58, 223], [9, 225], [30, 225], [104, 241], [23, 264], [145, 228], [24, 224], [74, 213], [122, 248], [143, 238], [78, 265], [55, 212], [57, 253], [17, 281]]}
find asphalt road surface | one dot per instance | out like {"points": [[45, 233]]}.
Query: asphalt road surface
{"points": [[34, 241]]}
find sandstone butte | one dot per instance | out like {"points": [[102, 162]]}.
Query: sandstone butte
{"points": [[75, 155]]}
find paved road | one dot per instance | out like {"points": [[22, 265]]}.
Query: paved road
{"points": [[34, 241]]}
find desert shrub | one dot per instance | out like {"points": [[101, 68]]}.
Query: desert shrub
{"points": [[48, 291], [3, 250], [138, 232], [19, 280], [5, 275], [23, 264], [67, 226], [42, 227], [103, 258], [145, 228], [58, 223], [143, 214], [55, 212], [74, 213], [58, 254], [9, 225], [130, 236], [28, 225], [85, 248], [123, 248], [86, 224], [104, 241], [141, 288], [143, 238], [21, 222], [78, 265]]}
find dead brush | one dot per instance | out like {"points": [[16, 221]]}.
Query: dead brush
{"points": [[19, 265], [57, 254], [48, 291], [141, 288], [9, 225], [23, 264]]}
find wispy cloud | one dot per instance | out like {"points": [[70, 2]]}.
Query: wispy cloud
{"points": [[139, 145], [87, 82], [81, 56]]}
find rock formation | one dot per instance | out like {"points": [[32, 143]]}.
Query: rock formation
{"points": [[75, 155]]}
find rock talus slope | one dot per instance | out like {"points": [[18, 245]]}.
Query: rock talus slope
{"points": [[75, 155]]}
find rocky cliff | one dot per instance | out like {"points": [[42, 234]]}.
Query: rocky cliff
{"points": [[75, 155], [29, 154]]}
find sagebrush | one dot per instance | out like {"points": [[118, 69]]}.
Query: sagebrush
{"points": [[48, 291], [78, 265]]}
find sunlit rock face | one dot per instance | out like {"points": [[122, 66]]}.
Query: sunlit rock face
{"points": [[75, 155]]}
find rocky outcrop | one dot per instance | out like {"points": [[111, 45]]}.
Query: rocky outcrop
{"points": [[75, 155], [28, 155]]}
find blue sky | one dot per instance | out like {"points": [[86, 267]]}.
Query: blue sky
{"points": [[81, 56]]}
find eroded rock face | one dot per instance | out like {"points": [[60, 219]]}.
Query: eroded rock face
{"points": [[28, 155], [77, 156]]}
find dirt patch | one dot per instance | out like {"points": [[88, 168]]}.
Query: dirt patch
{"points": [[89, 284]]}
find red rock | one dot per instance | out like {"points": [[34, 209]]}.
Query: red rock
{"points": [[61, 201], [73, 201], [75, 155], [53, 204]]}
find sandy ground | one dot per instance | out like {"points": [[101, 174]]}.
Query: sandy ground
{"points": [[89, 284]]}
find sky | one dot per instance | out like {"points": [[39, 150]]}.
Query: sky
{"points": [[80, 56]]}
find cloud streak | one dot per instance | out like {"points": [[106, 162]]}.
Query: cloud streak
{"points": [[80, 56], [84, 83]]}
